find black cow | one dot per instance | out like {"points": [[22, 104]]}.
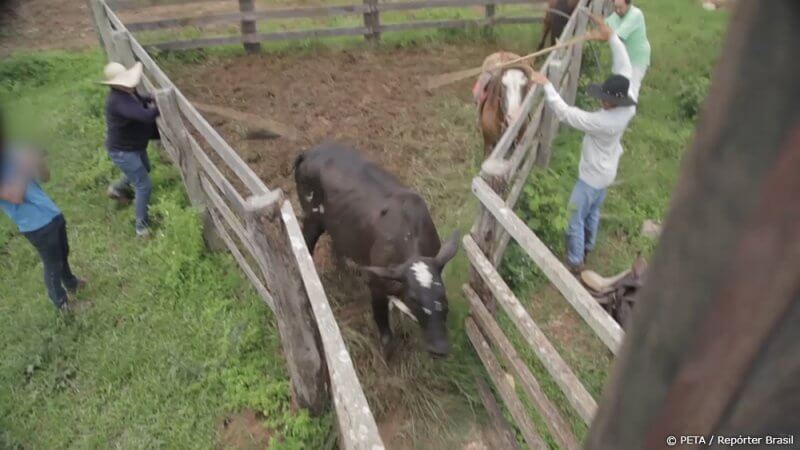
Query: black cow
{"points": [[384, 227]]}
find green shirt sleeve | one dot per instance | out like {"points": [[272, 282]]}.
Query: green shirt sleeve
{"points": [[629, 24]]}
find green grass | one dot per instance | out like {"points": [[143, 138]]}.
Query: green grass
{"points": [[175, 340], [686, 42]]}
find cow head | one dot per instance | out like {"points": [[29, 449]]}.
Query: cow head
{"points": [[424, 298], [515, 87]]}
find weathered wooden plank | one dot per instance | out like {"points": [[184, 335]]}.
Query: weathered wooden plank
{"points": [[357, 426], [254, 122], [189, 44], [576, 394], [556, 424], [459, 23], [548, 127], [115, 21], [486, 229], [431, 4], [150, 66], [240, 259], [506, 390], [190, 21], [261, 37], [525, 146], [502, 435], [222, 148], [300, 339], [587, 307], [101, 24], [230, 218], [213, 173], [171, 123], [121, 5]]}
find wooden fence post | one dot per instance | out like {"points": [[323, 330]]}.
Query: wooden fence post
{"points": [[187, 164], [491, 9], [249, 29], [486, 230], [305, 357], [372, 21], [549, 125]]}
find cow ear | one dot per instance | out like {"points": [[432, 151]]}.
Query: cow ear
{"points": [[395, 273], [448, 250]]}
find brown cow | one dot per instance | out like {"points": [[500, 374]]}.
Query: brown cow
{"points": [[384, 227], [500, 93], [556, 18]]}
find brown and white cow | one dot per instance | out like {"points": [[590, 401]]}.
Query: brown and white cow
{"points": [[383, 226], [499, 93]]}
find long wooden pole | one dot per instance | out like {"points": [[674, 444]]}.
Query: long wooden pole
{"points": [[452, 77]]}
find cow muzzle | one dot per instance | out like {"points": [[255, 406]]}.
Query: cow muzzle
{"points": [[437, 344]]}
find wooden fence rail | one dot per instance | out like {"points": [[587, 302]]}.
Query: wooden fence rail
{"points": [[370, 10], [259, 228], [498, 188]]}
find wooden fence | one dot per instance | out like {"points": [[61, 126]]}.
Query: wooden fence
{"points": [[497, 188], [370, 11], [259, 228]]}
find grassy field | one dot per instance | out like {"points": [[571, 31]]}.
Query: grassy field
{"points": [[176, 342]]}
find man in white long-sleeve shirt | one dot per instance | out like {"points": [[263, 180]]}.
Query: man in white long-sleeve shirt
{"points": [[601, 147]]}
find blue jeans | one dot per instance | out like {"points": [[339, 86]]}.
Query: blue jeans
{"points": [[584, 204], [135, 167], [51, 243]]}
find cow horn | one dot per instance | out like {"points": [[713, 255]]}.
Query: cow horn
{"points": [[448, 250]]}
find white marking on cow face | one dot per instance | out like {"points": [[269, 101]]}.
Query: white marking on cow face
{"points": [[310, 196], [397, 303], [514, 81], [423, 274], [320, 209]]}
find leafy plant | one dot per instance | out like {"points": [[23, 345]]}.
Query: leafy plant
{"points": [[691, 96], [543, 208]]}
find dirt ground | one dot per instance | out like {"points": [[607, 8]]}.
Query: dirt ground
{"points": [[45, 24], [244, 431], [374, 100]]}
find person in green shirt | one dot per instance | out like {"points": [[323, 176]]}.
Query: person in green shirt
{"points": [[628, 22]]}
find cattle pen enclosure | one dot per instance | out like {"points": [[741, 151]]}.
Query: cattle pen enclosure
{"points": [[260, 230]]}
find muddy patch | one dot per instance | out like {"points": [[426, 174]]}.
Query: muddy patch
{"points": [[243, 431]]}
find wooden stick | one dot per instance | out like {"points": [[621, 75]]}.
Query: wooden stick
{"points": [[452, 77], [257, 125]]}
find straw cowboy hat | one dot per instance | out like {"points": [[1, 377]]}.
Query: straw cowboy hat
{"points": [[117, 75]]}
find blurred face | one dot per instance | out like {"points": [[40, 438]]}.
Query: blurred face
{"points": [[621, 7]]}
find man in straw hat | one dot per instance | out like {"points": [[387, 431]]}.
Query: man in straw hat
{"points": [[130, 124], [602, 147]]}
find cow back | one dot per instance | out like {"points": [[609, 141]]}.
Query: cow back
{"points": [[371, 216]]}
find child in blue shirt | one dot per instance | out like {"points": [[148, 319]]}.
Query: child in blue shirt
{"points": [[37, 217]]}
